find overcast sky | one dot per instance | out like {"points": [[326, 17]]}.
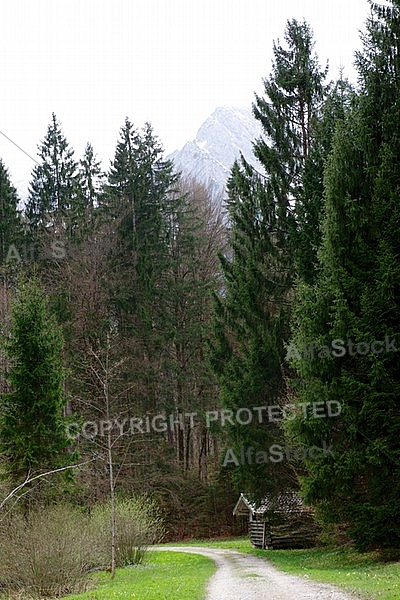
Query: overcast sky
{"points": [[170, 62]]}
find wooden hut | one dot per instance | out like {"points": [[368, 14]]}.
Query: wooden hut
{"points": [[281, 522]]}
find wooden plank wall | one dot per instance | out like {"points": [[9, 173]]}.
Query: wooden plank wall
{"points": [[299, 532]]}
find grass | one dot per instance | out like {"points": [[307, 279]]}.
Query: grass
{"points": [[363, 574], [180, 576], [164, 576]]}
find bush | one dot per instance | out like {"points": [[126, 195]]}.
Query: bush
{"points": [[48, 553], [138, 525], [52, 551]]}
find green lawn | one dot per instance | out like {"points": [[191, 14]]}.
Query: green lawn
{"points": [[164, 576], [180, 576], [363, 573]]}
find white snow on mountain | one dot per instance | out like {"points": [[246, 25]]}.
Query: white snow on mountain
{"points": [[221, 139]]}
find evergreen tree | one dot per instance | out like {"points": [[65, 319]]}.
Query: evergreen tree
{"points": [[289, 113], [250, 325], [55, 202], [136, 198], [310, 204], [356, 297], [10, 217], [185, 382], [252, 311], [136, 206], [91, 178], [32, 427]]}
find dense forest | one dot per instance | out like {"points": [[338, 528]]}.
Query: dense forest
{"points": [[151, 344]]}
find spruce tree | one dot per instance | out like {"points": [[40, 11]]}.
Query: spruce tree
{"points": [[253, 308], [184, 381], [136, 199], [289, 113], [309, 209], [91, 178], [10, 217], [32, 426], [136, 206], [356, 297], [250, 324], [55, 202]]}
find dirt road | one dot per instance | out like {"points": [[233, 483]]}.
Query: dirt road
{"points": [[245, 577]]}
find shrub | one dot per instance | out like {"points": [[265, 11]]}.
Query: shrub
{"points": [[51, 551], [138, 525], [47, 553]]}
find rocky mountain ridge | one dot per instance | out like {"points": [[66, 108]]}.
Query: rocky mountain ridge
{"points": [[226, 134]]}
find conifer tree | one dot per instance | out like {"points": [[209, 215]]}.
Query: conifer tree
{"points": [[91, 179], [10, 216], [136, 198], [55, 200], [136, 206], [356, 298], [252, 311], [289, 113], [185, 382], [91, 176], [32, 427], [309, 207]]}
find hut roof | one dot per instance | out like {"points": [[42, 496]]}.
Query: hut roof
{"points": [[284, 502], [243, 507]]}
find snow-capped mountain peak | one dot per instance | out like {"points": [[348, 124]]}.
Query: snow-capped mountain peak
{"points": [[221, 139]]}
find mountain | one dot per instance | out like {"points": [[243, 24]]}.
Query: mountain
{"points": [[218, 143]]}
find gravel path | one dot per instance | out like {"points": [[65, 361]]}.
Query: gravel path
{"points": [[245, 577]]}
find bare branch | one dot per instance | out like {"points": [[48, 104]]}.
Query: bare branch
{"points": [[35, 477]]}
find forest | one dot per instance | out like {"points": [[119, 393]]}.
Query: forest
{"points": [[159, 346]]}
